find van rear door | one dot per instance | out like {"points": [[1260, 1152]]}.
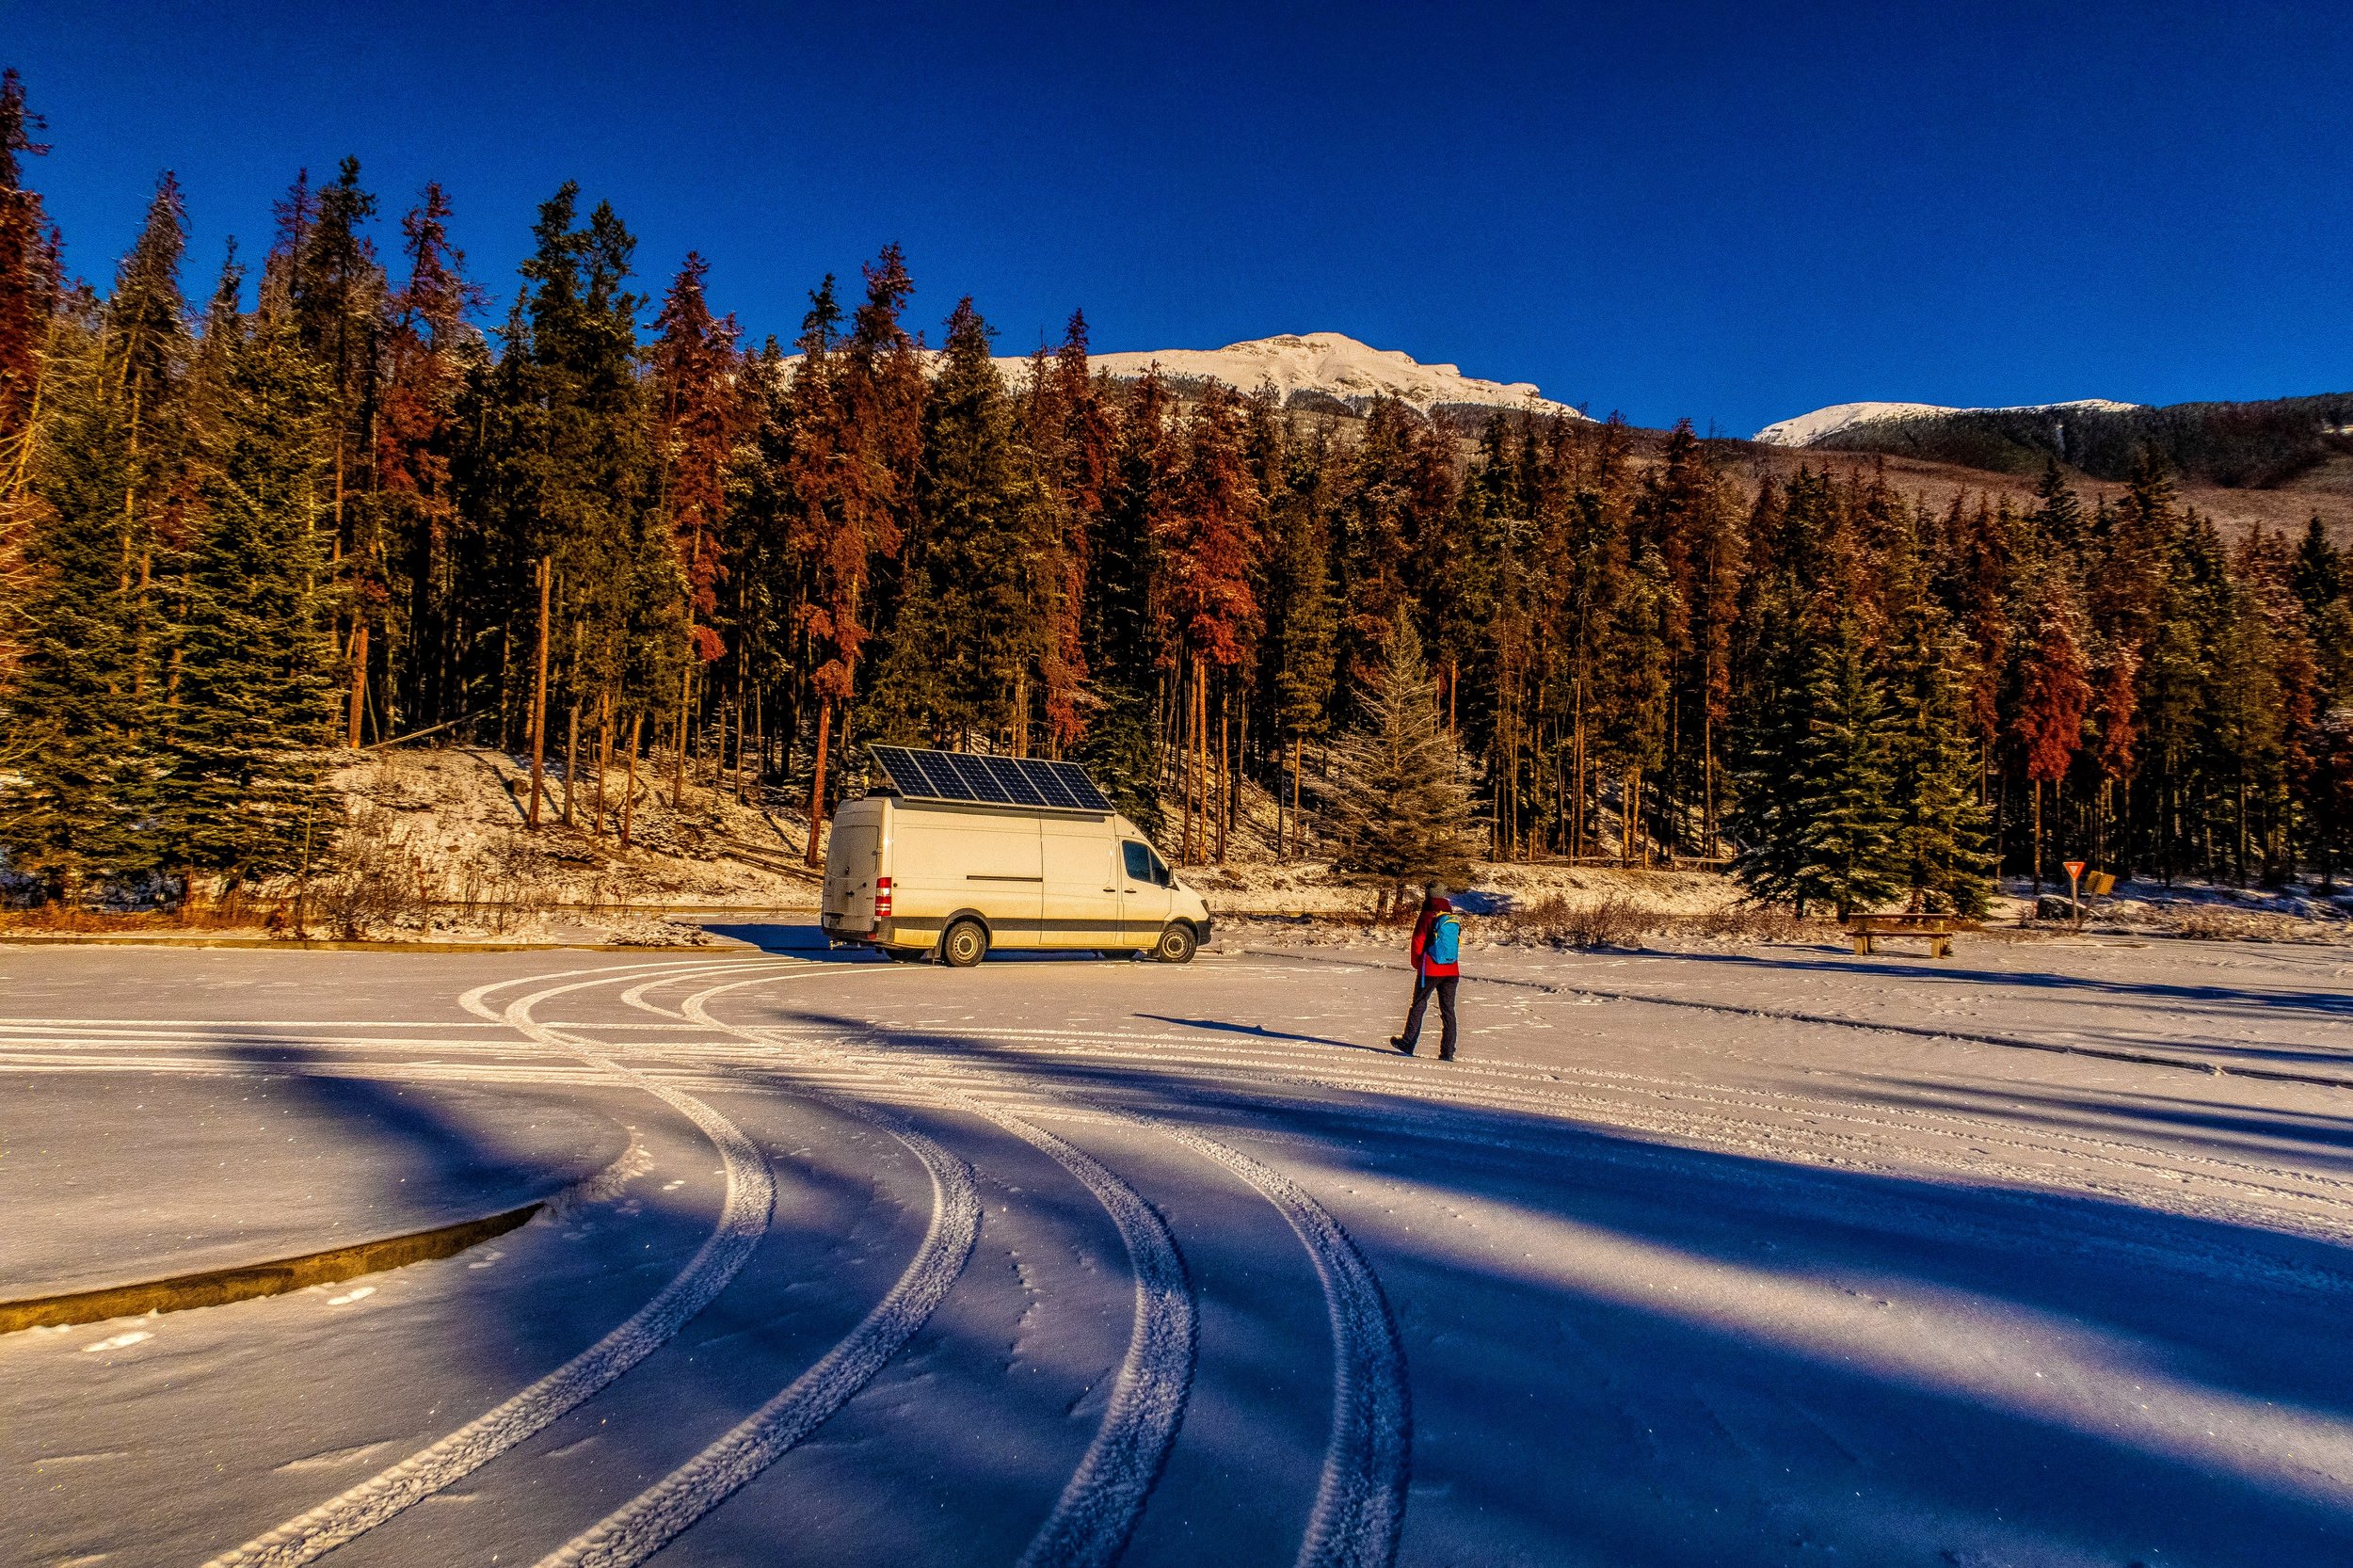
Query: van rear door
{"points": [[852, 867]]}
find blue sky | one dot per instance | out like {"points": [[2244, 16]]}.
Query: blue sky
{"points": [[1733, 213]]}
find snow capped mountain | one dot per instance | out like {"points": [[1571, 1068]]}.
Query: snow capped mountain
{"points": [[1326, 364], [1806, 429]]}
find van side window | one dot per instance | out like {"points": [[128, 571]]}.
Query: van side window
{"points": [[1143, 865]]}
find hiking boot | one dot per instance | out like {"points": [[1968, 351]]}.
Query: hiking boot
{"points": [[1400, 1045]]}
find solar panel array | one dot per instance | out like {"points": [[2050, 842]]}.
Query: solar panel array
{"points": [[959, 775]]}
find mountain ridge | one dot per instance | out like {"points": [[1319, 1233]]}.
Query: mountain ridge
{"points": [[1306, 368], [1836, 418]]}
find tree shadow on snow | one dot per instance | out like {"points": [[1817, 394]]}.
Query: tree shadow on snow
{"points": [[1621, 1349], [1626, 1350]]}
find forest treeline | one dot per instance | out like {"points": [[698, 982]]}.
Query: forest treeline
{"points": [[594, 523], [2258, 445]]}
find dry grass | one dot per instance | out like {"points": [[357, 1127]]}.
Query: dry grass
{"points": [[1617, 921], [2209, 923]]}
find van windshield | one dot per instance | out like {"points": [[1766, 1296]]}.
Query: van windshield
{"points": [[1143, 865]]}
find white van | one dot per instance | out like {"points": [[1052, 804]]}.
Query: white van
{"points": [[919, 877]]}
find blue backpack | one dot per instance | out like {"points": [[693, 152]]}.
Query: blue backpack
{"points": [[1445, 940]]}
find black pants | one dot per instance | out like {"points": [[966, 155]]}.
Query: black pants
{"points": [[1423, 985]]}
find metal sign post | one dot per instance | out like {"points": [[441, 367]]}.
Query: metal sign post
{"points": [[2074, 888]]}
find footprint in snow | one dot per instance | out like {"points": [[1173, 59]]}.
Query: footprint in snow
{"points": [[348, 1297], [118, 1343]]}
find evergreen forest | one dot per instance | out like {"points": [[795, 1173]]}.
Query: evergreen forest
{"points": [[345, 492]]}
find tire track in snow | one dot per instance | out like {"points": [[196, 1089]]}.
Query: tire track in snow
{"points": [[1360, 1494], [659, 1515], [742, 1221], [1360, 1499], [1098, 1507]]}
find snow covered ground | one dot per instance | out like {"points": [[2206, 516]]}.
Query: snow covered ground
{"points": [[2034, 1255]]}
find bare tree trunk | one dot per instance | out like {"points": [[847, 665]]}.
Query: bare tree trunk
{"points": [[572, 756], [1708, 777], [604, 752], [2038, 838], [629, 787], [1298, 767], [1577, 795], [539, 693], [359, 678], [817, 784], [1201, 756], [677, 760], [1183, 705], [1224, 773]]}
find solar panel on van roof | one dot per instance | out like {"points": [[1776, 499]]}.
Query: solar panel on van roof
{"points": [[990, 781]]}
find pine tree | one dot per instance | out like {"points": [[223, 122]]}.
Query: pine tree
{"points": [[76, 813], [29, 290], [1206, 544], [1120, 751], [87, 699], [859, 449], [259, 660], [585, 498], [1069, 433], [1767, 805], [978, 621], [699, 415], [1400, 810], [1812, 814], [144, 333], [1939, 842], [2319, 571], [2054, 692], [1847, 853], [428, 348], [1124, 631], [2058, 515], [1301, 618], [1371, 537], [1980, 561]]}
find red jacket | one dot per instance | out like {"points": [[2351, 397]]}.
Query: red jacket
{"points": [[1422, 941]]}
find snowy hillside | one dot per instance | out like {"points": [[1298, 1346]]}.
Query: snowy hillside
{"points": [[1329, 364], [1806, 429]]}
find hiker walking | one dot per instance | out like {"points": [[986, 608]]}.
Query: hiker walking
{"points": [[1436, 950]]}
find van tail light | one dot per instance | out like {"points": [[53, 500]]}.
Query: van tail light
{"points": [[882, 897]]}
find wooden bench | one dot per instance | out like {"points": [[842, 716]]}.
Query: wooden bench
{"points": [[1936, 929]]}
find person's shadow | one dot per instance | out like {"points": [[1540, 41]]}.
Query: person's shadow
{"points": [[1260, 1031]]}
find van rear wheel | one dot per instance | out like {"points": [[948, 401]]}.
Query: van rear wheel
{"points": [[964, 945], [1177, 944]]}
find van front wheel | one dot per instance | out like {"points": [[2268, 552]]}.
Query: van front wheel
{"points": [[964, 945], [1177, 944]]}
